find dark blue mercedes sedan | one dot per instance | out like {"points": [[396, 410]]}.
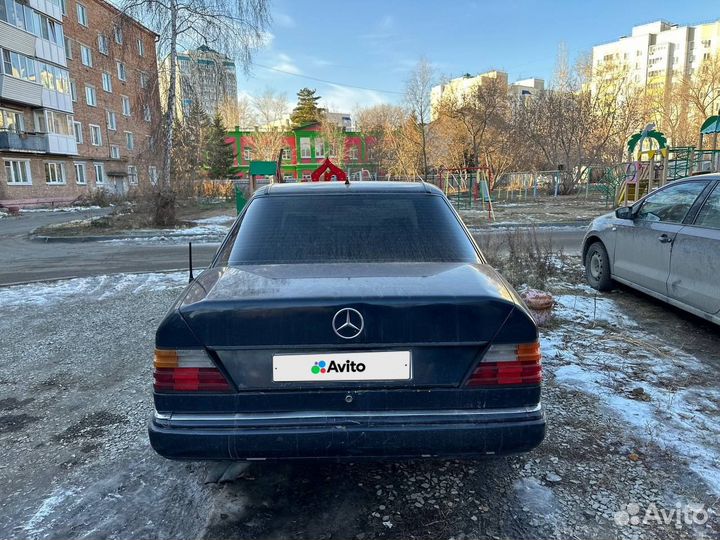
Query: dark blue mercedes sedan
{"points": [[346, 321]]}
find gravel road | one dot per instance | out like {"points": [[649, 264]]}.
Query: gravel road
{"points": [[75, 373]]}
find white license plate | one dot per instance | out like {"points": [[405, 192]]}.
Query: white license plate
{"points": [[363, 366]]}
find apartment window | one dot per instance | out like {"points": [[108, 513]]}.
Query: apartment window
{"points": [[319, 148], [305, 148], [114, 151], [95, 135], [132, 175], [130, 140], [99, 173], [73, 91], [54, 122], [106, 81], [286, 154], [81, 14], [121, 71], [11, 120], [141, 47], [54, 172], [126, 106], [152, 171], [118, 35], [90, 96], [68, 48], [18, 65], [86, 56], [111, 120], [103, 44], [143, 79], [247, 154], [353, 153], [80, 177], [53, 78], [147, 114], [77, 130], [18, 171]]}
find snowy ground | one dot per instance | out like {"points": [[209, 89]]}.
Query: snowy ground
{"points": [[59, 209], [208, 230], [75, 397]]}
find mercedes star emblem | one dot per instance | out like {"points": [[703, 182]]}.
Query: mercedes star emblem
{"points": [[348, 323]]}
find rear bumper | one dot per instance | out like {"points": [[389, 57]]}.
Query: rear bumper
{"points": [[387, 434]]}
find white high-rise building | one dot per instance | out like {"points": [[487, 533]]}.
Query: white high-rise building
{"points": [[204, 76], [658, 53], [460, 87]]}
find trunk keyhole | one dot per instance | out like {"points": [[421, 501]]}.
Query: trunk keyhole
{"points": [[348, 398]]}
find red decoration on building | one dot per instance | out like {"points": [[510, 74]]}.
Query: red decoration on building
{"points": [[330, 170]]}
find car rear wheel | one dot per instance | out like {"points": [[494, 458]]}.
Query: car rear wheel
{"points": [[597, 267]]}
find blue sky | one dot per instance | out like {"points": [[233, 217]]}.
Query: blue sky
{"points": [[376, 43]]}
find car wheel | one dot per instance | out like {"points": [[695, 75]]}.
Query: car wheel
{"points": [[597, 267]]}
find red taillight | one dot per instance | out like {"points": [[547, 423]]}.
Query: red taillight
{"points": [[187, 371], [508, 365]]}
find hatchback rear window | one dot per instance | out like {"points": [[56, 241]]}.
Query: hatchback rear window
{"points": [[350, 228]]}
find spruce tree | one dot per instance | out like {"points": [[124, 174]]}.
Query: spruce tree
{"points": [[306, 110], [218, 153]]}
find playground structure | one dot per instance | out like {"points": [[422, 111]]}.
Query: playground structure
{"points": [[522, 185], [467, 188], [328, 171], [653, 164]]}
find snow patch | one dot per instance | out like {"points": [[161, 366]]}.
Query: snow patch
{"points": [[591, 309], [90, 288], [59, 209], [653, 387], [46, 508], [216, 220], [534, 496]]}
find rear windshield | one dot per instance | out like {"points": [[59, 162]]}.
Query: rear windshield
{"points": [[350, 228]]}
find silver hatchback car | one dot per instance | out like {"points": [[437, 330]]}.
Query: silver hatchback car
{"points": [[666, 245]]}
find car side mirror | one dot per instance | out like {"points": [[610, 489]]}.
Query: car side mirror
{"points": [[624, 212]]}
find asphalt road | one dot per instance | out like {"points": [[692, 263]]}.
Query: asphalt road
{"points": [[26, 260]]}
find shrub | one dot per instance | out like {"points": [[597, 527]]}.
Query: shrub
{"points": [[522, 257]]}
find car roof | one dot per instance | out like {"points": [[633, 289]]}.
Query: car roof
{"points": [[704, 176], [316, 188]]}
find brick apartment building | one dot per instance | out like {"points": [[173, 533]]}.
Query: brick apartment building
{"points": [[79, 100]]}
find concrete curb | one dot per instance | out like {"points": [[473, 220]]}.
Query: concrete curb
{"points": [[76, 239], [554, 224], [99, 238]]}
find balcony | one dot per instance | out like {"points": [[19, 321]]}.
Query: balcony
{"points": [[20, 141], [20, 91]]}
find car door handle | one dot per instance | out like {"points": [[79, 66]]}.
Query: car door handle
{"points": [[664, 239]]}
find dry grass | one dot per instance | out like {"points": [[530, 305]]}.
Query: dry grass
{"points": [[522, 257]]}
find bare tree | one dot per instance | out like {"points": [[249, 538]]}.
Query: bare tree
{"points": [[395, 139], [702, 91], [237, 112], [476, 112], [417, 98], [270, 110], [333, 137], [234, 28]]}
